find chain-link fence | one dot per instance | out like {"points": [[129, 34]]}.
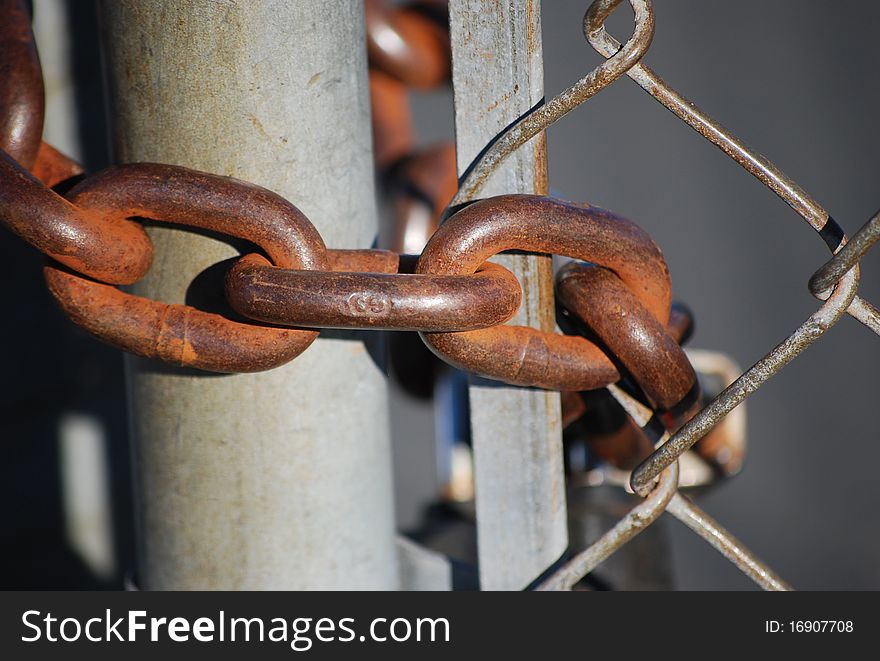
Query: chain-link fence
{"points": [[776, 50], [836, 284]]}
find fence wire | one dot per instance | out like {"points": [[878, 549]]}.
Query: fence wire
{"points": [[835, 283]]}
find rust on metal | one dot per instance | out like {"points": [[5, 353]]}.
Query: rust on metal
{"points": [[842, 300], [652, 356], [409, 47], [614, 437], [177, 334], [366, 260], [21, 91], [54, 168], [181, 334], [526, 356], [408, 42], [173, 194], [456, 298], [681, 322], [321, 299], [391, 119], [421, 186], [634, 337], [418, 182], [109, 248], [623, 447], [597, 420]]}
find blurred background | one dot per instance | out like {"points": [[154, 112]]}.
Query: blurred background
{"points": [[790, 77]]}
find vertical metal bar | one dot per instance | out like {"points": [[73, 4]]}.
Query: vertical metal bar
{"points": [[280, 479], [497, 74]]}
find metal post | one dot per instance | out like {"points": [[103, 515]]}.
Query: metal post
{"points": [[280, 479], [497, 76]]}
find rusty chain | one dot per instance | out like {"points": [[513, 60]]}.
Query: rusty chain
{"points": [[408, 48], [615, 303], [452, 293]]}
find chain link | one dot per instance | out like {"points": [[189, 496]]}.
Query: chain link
{"points": [[617, 309], [526, 356]]}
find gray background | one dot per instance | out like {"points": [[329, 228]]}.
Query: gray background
{"points": [[789, 77], [796, 80]]}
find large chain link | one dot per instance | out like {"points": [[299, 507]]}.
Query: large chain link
{"points": [[615, 303], [455, 297], [451, 294]]}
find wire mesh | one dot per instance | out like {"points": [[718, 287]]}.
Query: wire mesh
{"points": [[835, 284]]}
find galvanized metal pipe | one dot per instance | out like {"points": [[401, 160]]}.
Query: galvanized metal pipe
{"points": [[280, 479], [497, 75]]}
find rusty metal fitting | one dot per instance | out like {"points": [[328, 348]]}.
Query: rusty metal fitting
{"points": [[176, 334], [608, 431], [364, 260], [681, 323], [21, 91], [634, 337], [420, 186], [680, 327], [595, 419], [411, 43], [181, 334], [418, 183], [108, 248], [54, 168], [573, 407], [381, 301], [525, 356]]}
